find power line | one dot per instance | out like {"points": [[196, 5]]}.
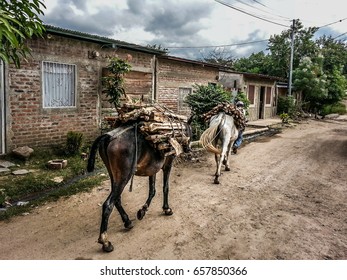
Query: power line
{"points": [[272, 14], [247, 13], [338, 21], [260, 3], [219, 46], [340, 35]]}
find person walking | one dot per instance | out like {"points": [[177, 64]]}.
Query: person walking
{"points": [[241, 107]]}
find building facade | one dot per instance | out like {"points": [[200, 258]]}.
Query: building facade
{"points": [[59, 88]]}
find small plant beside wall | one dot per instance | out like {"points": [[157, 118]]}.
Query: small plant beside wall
{"points": [[74, 141], [114, 82]]}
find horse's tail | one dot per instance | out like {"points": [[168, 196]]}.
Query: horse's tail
{"points": [[93, 150], [208, 136]]}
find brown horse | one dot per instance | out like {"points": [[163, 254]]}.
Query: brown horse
{"points": [[125, 152]]}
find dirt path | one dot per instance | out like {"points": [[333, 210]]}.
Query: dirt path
{"points": [[285, 198]]}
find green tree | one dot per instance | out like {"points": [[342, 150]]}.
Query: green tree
{"points": [[255, 63], [19, 20], [336, 86], [334, 52], [279, 47], [310, 79], [320, 66]]}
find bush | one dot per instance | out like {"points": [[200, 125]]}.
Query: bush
{"points": [[202, 100], [287, 105], [74, 142], [338, 108]]}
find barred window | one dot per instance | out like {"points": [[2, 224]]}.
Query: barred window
{"points": [[59, 85], [183, 93]]}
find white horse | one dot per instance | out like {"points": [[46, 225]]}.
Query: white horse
{"points": [[218, 139]]}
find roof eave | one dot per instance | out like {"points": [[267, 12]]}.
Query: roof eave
{"points": [[100, 40]]}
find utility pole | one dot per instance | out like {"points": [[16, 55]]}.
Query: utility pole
{"points": [[291, 61]]}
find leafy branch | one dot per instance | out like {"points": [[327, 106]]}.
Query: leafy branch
{"points": [[114, 82]]}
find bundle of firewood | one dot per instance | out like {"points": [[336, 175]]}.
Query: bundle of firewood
{"points": [[229, 109], [162, 128]]}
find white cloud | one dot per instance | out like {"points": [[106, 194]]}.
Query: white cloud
{"points": [[193, 22]]}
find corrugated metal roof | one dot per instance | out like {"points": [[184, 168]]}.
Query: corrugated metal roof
{"points": [[108, 41], [201, 63], [99, 39], [254, 75]]}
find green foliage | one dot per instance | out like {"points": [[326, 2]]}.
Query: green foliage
{"points": [[19, 20], [336, 86], [286, 104], [2, 197], [320, 66], [114, 83], [279, 47], [202, 100], [255, 63], [310, 79], [338, 108], [284, 117], [74, 142]]}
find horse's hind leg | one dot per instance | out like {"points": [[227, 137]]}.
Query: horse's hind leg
{"points": [[114, 199], [107, 208], [166, 175], [226, 158], [218, 160], [141, 213]]}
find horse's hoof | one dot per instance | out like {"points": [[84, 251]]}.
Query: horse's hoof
{"points": [[107, 248], [128, 225], [168, 212], [216, 181], [140, 214], [227, 168]]}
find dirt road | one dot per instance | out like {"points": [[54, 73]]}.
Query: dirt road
{"points": [[285, 198]]}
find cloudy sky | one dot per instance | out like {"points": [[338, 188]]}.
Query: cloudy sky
{"points": [[194, 28]]}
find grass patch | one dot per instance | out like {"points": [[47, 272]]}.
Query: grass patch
{"points": [[43, 184]]}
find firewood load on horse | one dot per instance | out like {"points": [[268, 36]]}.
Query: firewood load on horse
{"points": [[229, 109], [163, 129]]}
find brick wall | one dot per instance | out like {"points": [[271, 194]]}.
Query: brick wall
{"points": [[172, 74], [31, 124]]}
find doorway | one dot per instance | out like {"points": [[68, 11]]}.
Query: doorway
{"points": [[2, 108], [261, 102]]}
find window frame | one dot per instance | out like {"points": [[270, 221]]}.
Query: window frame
{"points": [[44, 85], [181, 106], [268, 95], [251, 102]]}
